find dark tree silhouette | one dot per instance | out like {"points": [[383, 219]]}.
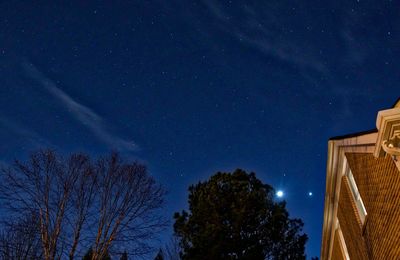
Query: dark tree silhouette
{"points": [[79, 203], [124, 256], [172, 249], [89, 256], [20, 239], [234, 216], [160, 255], [128, 201], [46, 185]]}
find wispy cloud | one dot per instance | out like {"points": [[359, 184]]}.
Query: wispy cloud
{"points": [[82, 113], [261, 29], [356, 52], [356, 41], [266, 27]]}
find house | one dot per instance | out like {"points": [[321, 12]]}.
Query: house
{"points": [[362, 198]]}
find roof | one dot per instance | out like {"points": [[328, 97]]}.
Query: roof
{"points": [[353, 135], [396, 104]]}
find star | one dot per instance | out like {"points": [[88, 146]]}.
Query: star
{"points": [[279, 194], [310, 194]]}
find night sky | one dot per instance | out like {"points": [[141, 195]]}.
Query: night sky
{"points": [[195, 87]]}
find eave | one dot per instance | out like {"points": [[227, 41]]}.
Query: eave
{"points": [[359, 143]]}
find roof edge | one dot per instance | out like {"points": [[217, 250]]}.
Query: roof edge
{"points": [[340, 137], [397, 103]]}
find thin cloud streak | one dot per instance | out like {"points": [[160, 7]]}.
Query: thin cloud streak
{"points": [[259, 31], [82, 113]]}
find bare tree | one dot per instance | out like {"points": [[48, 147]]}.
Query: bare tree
{"points": [[46, 185], [84, 192], [20, 239], [172, 249], [102, 204], [128, 201]]}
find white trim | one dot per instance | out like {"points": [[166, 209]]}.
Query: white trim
{"points": [[342, 243], [355, 194], [387, 122], [336, 158]]}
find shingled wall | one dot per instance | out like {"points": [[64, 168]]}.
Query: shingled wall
{"points": [[337, 253], [378, 181], [351, 224]]}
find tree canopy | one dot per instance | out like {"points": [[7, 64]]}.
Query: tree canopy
{"points": [[78, 201], [234, 216]]}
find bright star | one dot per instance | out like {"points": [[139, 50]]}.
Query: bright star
{"points": [[310, 194], [279, 194]]}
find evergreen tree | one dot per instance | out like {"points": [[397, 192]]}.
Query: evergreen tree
{"points": [[124, 256], [234, 216], [160, 255], [89, 255]]}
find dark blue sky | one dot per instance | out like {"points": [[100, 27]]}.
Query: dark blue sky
{"points": [[194, 87]]}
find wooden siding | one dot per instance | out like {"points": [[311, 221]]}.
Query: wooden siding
{"points": [[378, 181], [350, 224], [337, 253]]}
